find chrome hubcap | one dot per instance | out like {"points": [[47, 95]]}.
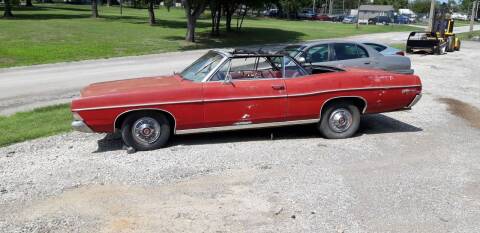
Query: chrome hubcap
{"points": [[340, 120], [146, 130]]}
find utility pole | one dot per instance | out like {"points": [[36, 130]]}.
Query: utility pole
{"points": [[432, 15], [474, 14], [313, 7], [358, 13]]}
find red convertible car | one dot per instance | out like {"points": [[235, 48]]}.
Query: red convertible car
{"points": [[240, 90]]}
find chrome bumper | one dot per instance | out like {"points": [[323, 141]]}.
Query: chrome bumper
{"points": [[414, 101], [81, 126]]}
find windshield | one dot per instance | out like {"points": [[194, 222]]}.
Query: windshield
{"points": [[201, 67]]}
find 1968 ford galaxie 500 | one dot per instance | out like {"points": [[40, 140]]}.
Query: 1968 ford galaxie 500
{"points": [[239, 90]]}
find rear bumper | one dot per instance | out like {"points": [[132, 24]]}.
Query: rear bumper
{"points": [[80, 126], [407, 71], [414, 101]]}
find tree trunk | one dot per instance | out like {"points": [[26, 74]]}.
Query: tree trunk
{"points": [[8, 9], [219, 18], [109, 2], [191, 24], [151, 12], [193, 10], [228, 16], [239, 28], [216, 14], [94, 9], [29, 3]]}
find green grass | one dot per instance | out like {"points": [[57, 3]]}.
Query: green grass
{"points": [[468, 35], [400, 46], [34, 124], [51, 33], [458, 23]]}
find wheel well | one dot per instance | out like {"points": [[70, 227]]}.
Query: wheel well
{"points": [[359, 102], [120, 118]]}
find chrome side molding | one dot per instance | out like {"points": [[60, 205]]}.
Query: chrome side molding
{"points": [[246, 126]]}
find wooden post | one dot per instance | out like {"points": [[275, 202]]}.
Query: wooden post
{"points": [[474, 14], [358, 13], [432, 16]]}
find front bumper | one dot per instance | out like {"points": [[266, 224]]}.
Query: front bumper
{"points": [[80, 126]]}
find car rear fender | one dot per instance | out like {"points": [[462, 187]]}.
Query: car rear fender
{"points": [[395, 62]]}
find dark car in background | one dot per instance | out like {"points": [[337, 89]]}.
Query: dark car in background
{"points": [[350, 19], [338, 18], [323, 18], [307, 13], [401, 19], [385, 20]]}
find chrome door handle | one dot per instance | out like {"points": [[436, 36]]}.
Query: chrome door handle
{"points": [[278, 87]]}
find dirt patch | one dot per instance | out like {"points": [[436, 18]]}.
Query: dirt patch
{"points": [[464, 110], [205, 204]]}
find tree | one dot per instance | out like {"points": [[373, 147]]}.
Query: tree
{"points": [[421, 6], [94, 9], [28, 3], [229, 8], [193, 10], [151, 12], [216, 14], [7, 13]]}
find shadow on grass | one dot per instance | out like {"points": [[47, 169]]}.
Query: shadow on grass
{"points": [[248, 36], [48, 16], [169, 23], [73, 8], [370, 124]]}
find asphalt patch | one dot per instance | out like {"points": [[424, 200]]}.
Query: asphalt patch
{"points": [[464, 110]]}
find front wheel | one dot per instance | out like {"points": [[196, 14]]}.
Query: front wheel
{"points": [[339, 120], [146, 131]]}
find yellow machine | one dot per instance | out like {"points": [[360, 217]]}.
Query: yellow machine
{"points": [[453, 43], [440, 39]]}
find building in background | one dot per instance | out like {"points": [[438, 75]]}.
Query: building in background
{"points": [[370, 11]]}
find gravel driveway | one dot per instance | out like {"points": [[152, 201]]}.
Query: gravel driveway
{"points": [[415, 171]]}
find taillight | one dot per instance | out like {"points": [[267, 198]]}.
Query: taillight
{"points": [[401, 53]]}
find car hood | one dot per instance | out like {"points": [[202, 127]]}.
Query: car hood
{"points": [[131, 86]]}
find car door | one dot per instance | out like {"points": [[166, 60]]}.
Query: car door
{"points": [[350, 55], [252, 94]]}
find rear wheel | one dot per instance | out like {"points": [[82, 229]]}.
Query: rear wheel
{"points": [[146, 131], [339, 120], [450, 44]]}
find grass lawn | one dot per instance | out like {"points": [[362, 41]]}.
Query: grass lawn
{"points": [[468, 35], [401, 46], [49, 33], [34, 124], [458, 23]]}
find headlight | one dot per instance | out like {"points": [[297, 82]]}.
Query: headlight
{"points": [[77, 116]]}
